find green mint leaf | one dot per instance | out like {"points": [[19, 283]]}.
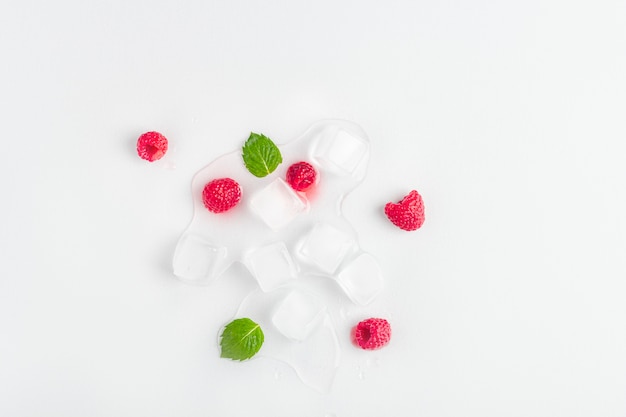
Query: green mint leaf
{"points": [[241, 339], [260, 155]]}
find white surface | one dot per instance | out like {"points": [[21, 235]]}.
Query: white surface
{"points": [[508, 117]]}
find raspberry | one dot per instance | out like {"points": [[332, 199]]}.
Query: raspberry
{"points": [[301, 176], [372, 333], [151, 146], [407, 214], [221, 195]]}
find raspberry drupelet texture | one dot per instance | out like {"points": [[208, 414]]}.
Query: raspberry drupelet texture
{"points": [[151, 146], [372, 333], [301, 176], [221, 195], [408, 214]]}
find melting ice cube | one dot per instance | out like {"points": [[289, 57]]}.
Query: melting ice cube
{"points": [[326, 246], [197, 260], [361, 279], [341, 151], [298, 314], [316, 360], [271, 265], [277, 204]]}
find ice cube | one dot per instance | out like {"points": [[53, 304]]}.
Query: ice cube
{"points": [[197, 260], [341, 151], [326, 246], [361, 279], [314, 359], [271, 265], [298, 314], [277, 204]]}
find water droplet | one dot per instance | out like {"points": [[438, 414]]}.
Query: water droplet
{"points": [[361, 373]]}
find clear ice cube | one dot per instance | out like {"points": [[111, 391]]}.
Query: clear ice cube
{"points": [[277, 204], [326, 246], [271, 265], [361, 279], [298, 315], [197, 260], [341, 151]]}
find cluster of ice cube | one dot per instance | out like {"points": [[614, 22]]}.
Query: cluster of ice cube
{"points": [[288, 240]]}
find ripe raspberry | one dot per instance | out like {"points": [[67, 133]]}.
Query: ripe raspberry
{"points": [[372, 333], [301, 176], [221, 195], [407, 214], [151, 146]]}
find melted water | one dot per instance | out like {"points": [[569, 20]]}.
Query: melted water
{"points": [[301, 250]]}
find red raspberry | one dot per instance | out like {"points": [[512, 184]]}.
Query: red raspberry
{"points": [[221, 195], [301, 176], [151, 146], [407, 214], [372, 333]]}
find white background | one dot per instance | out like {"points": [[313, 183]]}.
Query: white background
{"points": [[508, 117]]}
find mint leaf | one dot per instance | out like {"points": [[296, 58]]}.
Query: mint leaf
{"points": [[241, 339], [260, 155]]}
